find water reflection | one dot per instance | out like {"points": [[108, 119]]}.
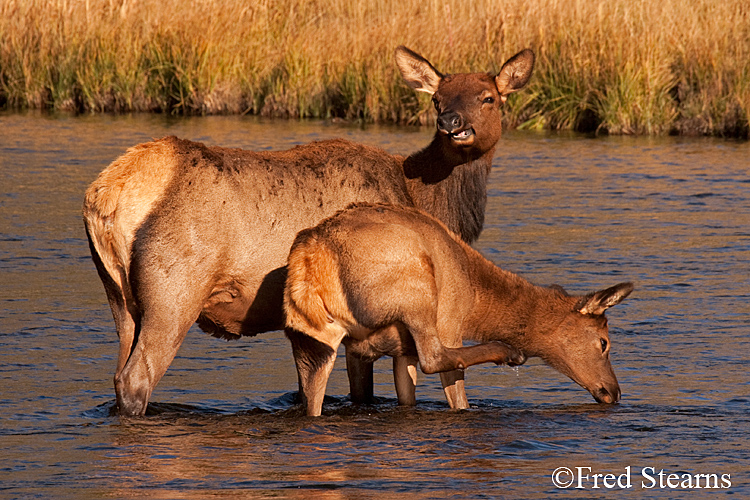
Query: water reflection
{"points": [[390, 450]]}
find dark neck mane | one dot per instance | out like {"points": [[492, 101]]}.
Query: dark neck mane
{"points": [[450, 185]]}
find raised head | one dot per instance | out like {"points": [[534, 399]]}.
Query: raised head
{"points": [[468, 104], [579, 346]]}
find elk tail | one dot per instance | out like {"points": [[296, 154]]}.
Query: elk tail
{"points": [[134, 181], [99, 210], [313, 298]]}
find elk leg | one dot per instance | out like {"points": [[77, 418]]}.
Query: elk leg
{"points": [[156, 347], [125, 323], [360, 379], [491, 352], [314, 361], [126, 333], [453, 386], [405, 378], [434, 357]]}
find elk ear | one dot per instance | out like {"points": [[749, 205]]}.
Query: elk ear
{"points": [[598, 302], [515, 73], [417, 71]]}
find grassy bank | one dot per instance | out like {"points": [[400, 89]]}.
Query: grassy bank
{"points": [[617, 66]]}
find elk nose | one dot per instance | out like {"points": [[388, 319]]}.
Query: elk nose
{"points": [[449, 122], [603, 395]]}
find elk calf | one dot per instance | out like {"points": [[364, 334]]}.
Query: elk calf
{"points": [[395, 281]]}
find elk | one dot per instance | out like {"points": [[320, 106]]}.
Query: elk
{"points": [[395, 281], [181, 232]]}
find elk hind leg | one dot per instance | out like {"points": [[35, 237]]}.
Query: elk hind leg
{"points": [[360, 376], [125, 319], [157, 344], [314, 361], [405, 379], [125, 323], [126, 332]]}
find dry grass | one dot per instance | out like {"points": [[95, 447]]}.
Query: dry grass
{"points": [[617, 66]]}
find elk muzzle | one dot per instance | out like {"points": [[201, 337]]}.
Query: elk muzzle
{"points": [[452, 124], [607, 395]]}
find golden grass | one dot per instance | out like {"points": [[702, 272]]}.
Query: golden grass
{"points": [[617, 66]]}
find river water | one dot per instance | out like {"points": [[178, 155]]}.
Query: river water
{"points": [[670, 214]]}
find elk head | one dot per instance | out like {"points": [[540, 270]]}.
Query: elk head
{"points": [[579, 346], [467, 104]]}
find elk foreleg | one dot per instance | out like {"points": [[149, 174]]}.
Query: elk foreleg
{"points": [[453, 387], [434, 357]]}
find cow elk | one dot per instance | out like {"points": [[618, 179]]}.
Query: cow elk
{"points": [[181, 232], [395, 281]]}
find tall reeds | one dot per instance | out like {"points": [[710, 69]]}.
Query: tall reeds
{"points": [[616, 66]]}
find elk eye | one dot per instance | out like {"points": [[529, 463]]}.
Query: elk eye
{"points": [[489, 100], [604, 344], [435, 103]]}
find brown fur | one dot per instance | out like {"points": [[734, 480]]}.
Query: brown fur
{"points": [[373, 272], [120, 199], [182, 232]]}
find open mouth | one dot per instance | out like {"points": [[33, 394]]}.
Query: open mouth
{"points": [[463, 136]]}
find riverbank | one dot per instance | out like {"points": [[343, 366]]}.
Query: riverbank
{"points": [[619, 67]]}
